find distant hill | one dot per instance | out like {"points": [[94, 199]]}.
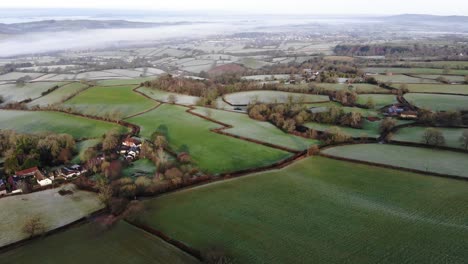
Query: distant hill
{"points": [[427, 18], [74, 25]]}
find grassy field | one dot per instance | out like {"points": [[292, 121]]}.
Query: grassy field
{"points": [[82, 146], [415, 134], [452, 78], [358, 87], [437, 102], [163, 96], [101, 101], [37, 122], [59, 95], [429, 71], [244, 126], [244, 98], [370, 129], [213, 153], [55, 211], [141, 167], [320, 210], [122, 244], [134, 81], [438, 161], [15, 93], [380, 100], [402, 79], [438, 88]]}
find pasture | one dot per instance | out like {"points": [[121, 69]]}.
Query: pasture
{"points": [[163, 96], [380, 100], [428, 71], [415, 135], [358, 87], [212, 152], [245, 98], [44, 121], [402, 79], [320, 210], [246, 127], [59, 95], [369, 129], [91, 243], [54, 210], [451, 78], [13, 76], [438, 88], [438, 102], [114, 82], [18, 93], [423, 159], [141, 167], [120, 101]]}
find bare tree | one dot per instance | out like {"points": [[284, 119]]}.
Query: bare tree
{"points": [[464, 139], [34, 226], [433, 137]]}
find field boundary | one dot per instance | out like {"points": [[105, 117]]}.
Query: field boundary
{"points": [[375, 164]]}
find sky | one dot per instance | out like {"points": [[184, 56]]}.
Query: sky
{"points": [[364, 7]]}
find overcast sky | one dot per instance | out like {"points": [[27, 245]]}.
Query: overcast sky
{"points": [[444, 7]]}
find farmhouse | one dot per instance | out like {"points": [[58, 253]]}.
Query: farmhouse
{"points": [[33, 172], [131, 142]]}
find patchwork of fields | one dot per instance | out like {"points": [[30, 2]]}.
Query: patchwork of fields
{"points": [[102, 101], [18, 93], [244, 98], [380, 100], [163, 96], [321, 211], [59, 95], [438, 88], [212, 152]]}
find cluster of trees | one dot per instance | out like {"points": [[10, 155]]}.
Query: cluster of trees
{"points": [[416, 50], [346, 97], [23, 151], [337, 116], [285, 116], [448, 118]]}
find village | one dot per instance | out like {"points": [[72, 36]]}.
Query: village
{"points": [[36, 179]]}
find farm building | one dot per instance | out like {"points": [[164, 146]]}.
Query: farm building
{"points": [[132, 142], [33, 172]]}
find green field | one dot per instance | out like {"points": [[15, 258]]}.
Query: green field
{"points": [[380, 100], [452, 78], [89, 243], [438, 88], [429, 71], [244, 98], [37, 122], [82, 146], [141, 167], [438, 102], [320, 210], [244, 126], [358, 87], [423, 159], [370, 129], [55, 211], [15, 93], [163, 96], [213, 153], [102, 101], [59, 95], [402, 79], [135, 81], [415, 135]]}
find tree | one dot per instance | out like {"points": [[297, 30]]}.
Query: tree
{"points": [[335, 135], [34, 226], [370, 103], [466, 79], [387, 125], [105, 193], [1, 99], [464, 139], [433, 137], [111, 140], [172, 99]]}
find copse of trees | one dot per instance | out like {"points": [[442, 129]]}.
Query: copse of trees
{"points": [[23, 151], [433, 137], [337, 116], [448, 118], [464, 139]]}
